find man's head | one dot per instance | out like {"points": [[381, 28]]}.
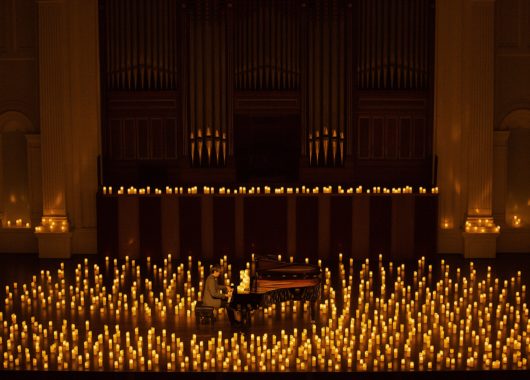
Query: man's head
{"points": [[215, 270]]}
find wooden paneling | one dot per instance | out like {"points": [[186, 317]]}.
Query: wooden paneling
{"points": [[170, 226], [190, 226], [395, 129], [405, 137], [267, 147], [358, 225], [508, 24], [279, 102], [107, 219], [5, 25], [307, 227], [380, 225], [224, 226], [150, 219], [141, 138], [265, 225], [341, 225], [392, 137], [25, 33], [128, 227], [425, 225], [391, 133], [141, 127], [403, 228]]}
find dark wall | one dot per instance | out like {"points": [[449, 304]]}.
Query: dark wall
{"points": [[352, 79]]}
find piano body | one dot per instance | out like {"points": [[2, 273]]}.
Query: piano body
{"points": [[273, 281]]}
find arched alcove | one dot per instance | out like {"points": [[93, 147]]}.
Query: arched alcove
{"points": [[14, 183], [518, 168]]}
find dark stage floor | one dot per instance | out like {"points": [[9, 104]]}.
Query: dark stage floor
{"points": [[88, 318]]}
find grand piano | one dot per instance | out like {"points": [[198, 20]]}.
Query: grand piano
{"points": [[274, 281]]}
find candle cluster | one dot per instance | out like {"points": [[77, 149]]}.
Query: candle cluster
{"points": [[516, 221], [210, 190], [19, 223], [481, 225], [52, 225], [373, 316]]}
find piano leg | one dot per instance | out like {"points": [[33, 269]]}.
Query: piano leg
{"points": [[313, 310], [245, 316]]}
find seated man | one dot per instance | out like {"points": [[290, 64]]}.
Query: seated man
{"points": [[213, 293]]}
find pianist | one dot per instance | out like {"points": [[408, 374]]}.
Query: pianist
{"points": [[216, 295]]}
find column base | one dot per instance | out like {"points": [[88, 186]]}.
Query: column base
{"points": [[480, 237], [55, 245], [480, 245]]}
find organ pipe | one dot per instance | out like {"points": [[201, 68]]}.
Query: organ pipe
{"points": [[392, 44], [206, 90], [267, 41], [326, 77], [141, 44]]}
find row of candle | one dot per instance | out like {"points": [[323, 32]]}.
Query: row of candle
{"points": [[267, 190], [19, 223], [52, 225], [481, 225], [368, 321]]}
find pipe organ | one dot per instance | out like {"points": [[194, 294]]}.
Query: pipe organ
{"points": [[392, 44], [325, 84], [206, 84], [267, 45], [179, 76], [141, 45]]}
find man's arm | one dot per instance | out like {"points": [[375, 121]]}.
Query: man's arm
{"points": [[213, 288]]}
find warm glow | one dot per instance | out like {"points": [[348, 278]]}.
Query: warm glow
{"points": [[211, 190], [379, 318]]}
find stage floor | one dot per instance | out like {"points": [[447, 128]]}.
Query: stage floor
{"points": [[88, 317]]}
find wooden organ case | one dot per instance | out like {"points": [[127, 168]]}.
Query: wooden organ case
{"points": [[191, 88]]}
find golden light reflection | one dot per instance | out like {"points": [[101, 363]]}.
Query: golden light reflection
{"points": [[516, 221], [268, 190], [481, 225], [374, 316]]}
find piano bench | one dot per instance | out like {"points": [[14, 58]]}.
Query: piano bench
{"points": [[204, 314]]}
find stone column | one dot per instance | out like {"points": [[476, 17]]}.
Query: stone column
{"points": [[53, 235], [82, 141], [448, 123], [480, 231], [500, 173], [33, 151]]}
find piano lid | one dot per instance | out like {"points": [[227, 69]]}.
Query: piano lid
{"points": [[266, 267]]}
